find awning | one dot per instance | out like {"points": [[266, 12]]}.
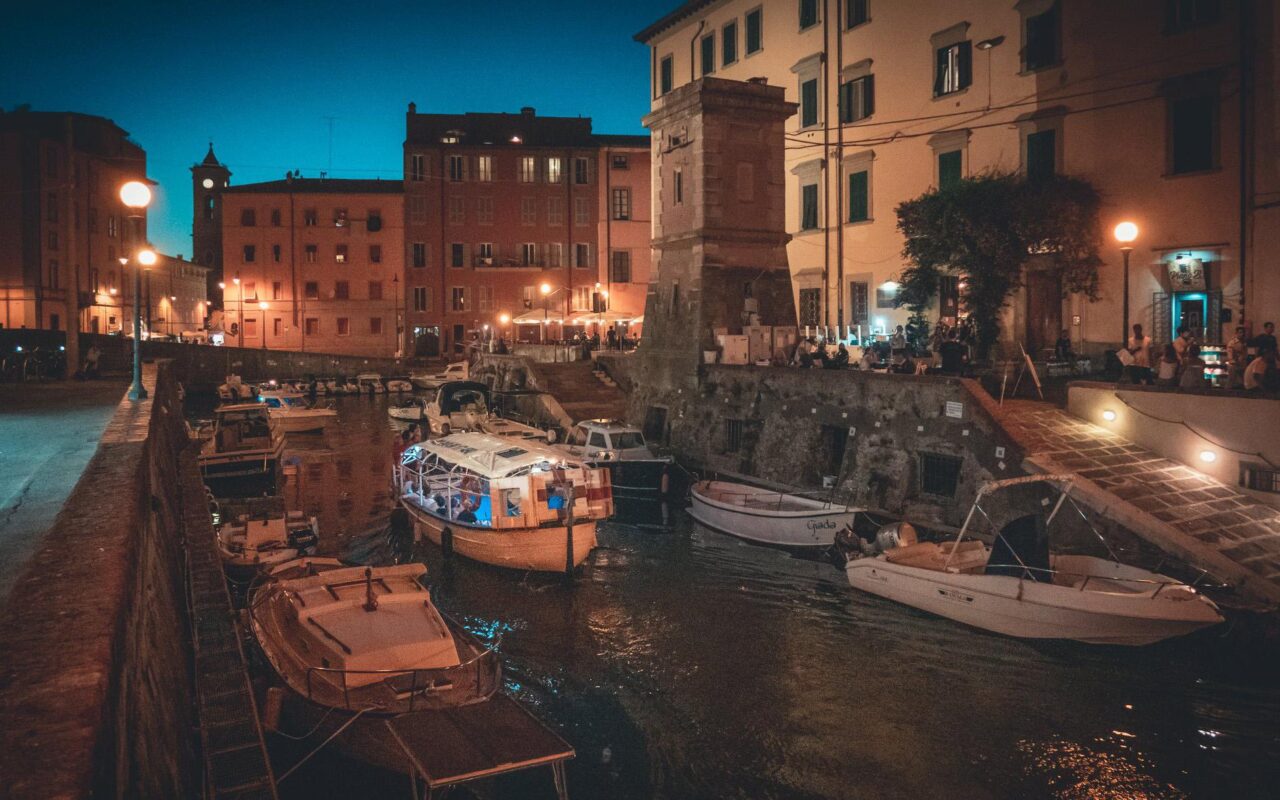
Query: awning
{"points": [[536, 317], [603, 317]]}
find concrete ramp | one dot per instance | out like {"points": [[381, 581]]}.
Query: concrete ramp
{"points": [[1185, 513], [580, 392]]}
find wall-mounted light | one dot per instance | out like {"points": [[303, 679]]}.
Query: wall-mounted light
{"points": [[1208, 456], [1109, 415], [987, 44]]}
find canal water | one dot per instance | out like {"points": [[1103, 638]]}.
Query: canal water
{"points": [[682, 663]]}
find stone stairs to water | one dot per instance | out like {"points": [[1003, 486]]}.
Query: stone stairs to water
{"points": [[582, 391]]}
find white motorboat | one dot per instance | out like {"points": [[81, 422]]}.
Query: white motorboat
{"points": [[243, 441], [1018, 588], [768, 517], [399, 385], [413, 409], [464, 406], [503, 502], [291, 411], [457, 371], [634, 471], [255, 542], [370, 382]]}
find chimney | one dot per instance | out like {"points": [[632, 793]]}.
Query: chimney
{"points": [[413, 108], [528, 111]]}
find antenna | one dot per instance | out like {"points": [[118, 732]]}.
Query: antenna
{"points": [[330, 120]]}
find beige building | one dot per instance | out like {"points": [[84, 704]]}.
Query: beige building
{"points": [[174, 299], [1147, 100]]}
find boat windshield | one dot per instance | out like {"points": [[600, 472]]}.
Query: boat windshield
{"points": [[272, 402], [294, 402], [627, 440]]}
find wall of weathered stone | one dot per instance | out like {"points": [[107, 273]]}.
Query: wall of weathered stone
{"points": [[96, 691]]}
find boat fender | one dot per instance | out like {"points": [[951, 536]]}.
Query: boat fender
{"points": [[664, 485], [446, 541]]}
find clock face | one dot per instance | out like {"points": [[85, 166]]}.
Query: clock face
{"points": [[208, 183]]}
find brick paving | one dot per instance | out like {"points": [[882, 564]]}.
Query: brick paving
{"points": [[1186, 503]]}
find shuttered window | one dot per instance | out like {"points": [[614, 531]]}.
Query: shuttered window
{"points": [[859, 197]]}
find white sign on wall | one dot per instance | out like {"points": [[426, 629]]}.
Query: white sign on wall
{"points": [[955, 409]]}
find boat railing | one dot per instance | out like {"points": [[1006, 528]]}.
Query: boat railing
{"points": [[422, 680], [1088, 576]]}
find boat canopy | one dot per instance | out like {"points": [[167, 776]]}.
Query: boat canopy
{"points": [[1021, 550], [488, 455], [454, 394]]}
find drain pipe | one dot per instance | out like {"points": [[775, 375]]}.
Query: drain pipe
{"points": [[840, 179], [826, 173], [693, 46]]}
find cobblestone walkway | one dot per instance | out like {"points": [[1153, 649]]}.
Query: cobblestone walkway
{"points": [[1209, 517]]}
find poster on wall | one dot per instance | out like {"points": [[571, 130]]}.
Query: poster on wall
{"points": [[1186, 274]]}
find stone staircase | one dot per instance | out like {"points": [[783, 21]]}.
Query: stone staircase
{"points": [[582, 391]]}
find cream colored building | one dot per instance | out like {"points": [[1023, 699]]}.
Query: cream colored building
{"points": [[1144, 99]]}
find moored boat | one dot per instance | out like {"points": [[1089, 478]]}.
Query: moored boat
{"points": [[1016, 587], [634, 471], [371, 383], [399, 385], [243, 442], [457, 371], [413, 409], [250, 542], [291, 411], [764, 516]]}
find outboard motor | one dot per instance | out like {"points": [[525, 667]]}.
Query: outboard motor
{"points": [[895, 534]]}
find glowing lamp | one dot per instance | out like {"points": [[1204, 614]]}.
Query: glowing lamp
{"points": [[486, 326], [236, 280], [1208, 456], [222, 284], [1109, 415], [545, 288], [147, 257], [1126, 232], [262, 304], [173, 298], [112, 291], [135, 194], [504, 318], [604, 293]]}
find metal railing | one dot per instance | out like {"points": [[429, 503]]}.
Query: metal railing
{"points": [[488, 676]]}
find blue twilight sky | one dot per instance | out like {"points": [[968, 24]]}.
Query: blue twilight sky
{"points": [[261, 78]]}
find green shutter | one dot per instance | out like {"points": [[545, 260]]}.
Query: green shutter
{"points": [[1041, 155], [949, 169], [859, 205], [809, 103]]}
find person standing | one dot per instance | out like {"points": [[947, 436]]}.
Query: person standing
{"points": [[1237, 359], [1140, 348], [1192, 369], [1265, 341], [1167, 368], [1182, 343], [899, 339]]}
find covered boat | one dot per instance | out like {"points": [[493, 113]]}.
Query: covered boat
{"points": [[243, 441], [634, 471], [510, 503], [293, 413], [1018, 588], [465, 406], [252, 542], [768, 517], [457, 371]]}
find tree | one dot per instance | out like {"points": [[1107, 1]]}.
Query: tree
{"points": [[987, 228]]}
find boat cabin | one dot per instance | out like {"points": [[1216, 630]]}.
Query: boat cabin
{"points": [[609, 435], [242, 426], [283, 399]]}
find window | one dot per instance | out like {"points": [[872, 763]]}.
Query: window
{"points": [[484, 168], [375, 290], [729, 43], [247, 218], [1260, 478], [1181, 15], [555, 211], [677, 188], [555, 254], [1041, 154], [528, 169], [484, 210], [528, 254], [619, 161], [311, 326], [621, 205], [375, 254], [275, 218], [581, 172], [456, 213], [583, 298], [755, 30], [112, 228], [528, 211], [456, 168], [954, 68], [528, 293], [950, 168], [339, 218], [620, 267], [311, 290], [581, 211], [1193, 123], [857, 99], [277, 327], [1040, 40], [859, 311], [340, 254], [457, 254], [310, 217], [417, 209], [582, 255], [859, 196], [484, 298], [420, 302], [275, 253], [250, 253], [809, 103], [886, 294], [708, 50], [375, 325], [554, 168], [373, 220], [341, 290], [54, 272], [417, 167], [484, 253], [856, 12], [458, 301], [344, 326], [939, 474], [251, 328], [419, 254], [808, 13], [732, 435], [277, 290], [665, 75], [809, 207], [309, 253], [810, 306]]}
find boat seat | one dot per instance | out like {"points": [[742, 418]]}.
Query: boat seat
{"points": [[969, 555]]}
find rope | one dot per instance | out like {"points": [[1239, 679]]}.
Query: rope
{"points": [[1188, 426]]}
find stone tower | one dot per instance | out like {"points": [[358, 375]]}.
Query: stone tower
{"points": [[208, 179], [719, 230]]}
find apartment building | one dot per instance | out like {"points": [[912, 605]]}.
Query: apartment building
{"points": [[173, 296], [531, 225], [312, 264], [1166, 106]]}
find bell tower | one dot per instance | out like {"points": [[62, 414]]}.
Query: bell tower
{"points": [[208, 179]]}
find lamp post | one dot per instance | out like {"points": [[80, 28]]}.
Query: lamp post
{"points": [[262, 306], [503, 319], [545, 289], [1125, 233], [136, 196]]}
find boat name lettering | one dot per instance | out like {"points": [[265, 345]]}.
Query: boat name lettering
{"points": [[820, 525], [952, 594]]}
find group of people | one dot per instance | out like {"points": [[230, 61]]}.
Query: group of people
{"points": [[407, 438], [1251, 361], [949, 353]]}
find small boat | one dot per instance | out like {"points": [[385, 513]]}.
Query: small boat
{"points": [[464, 406], [1016, 587], [634, 471], [764, 516], [349, 386], [503, 502], [243, 442], [291, 411], [255, 542], [399, 385], [370, 382], [324, 387], [413, 409], [457, 371]]}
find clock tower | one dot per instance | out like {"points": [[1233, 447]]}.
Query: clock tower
{"points": [[208, 179]]}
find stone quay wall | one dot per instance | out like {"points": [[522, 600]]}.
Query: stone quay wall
{"points": [[95, 679]]}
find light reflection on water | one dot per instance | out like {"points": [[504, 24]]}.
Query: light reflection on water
{"points": [[707, 667]]}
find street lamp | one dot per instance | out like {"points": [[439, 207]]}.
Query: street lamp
{"points": [[262, 306], [545, 288], [136, 196], [1125, 234]]}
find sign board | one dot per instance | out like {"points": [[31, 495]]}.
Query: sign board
{"points": [[955, 410]]}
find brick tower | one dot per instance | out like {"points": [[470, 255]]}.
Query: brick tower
{"points": [[208, 179], [719, 230]]}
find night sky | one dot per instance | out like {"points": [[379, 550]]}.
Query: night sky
{"points": [[261, 78]]}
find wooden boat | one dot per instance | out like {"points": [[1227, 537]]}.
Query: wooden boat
{"points": [[503, 502], [768, 517], [293, 414], [242, 442], [634, 471], [250, 543], [1018, 588]]}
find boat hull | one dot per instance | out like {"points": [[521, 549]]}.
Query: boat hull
{"points": [[256, 464], [299, 423], [1031, 610], [412, 414], [539, 549], [636, 478], [810, 530]]}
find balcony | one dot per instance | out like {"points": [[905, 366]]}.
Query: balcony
{"points": [[508, 262]]}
